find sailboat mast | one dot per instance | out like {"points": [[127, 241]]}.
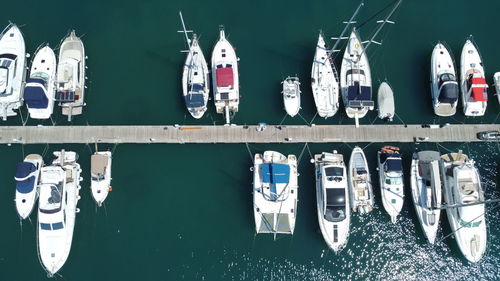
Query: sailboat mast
{"points": [[188, 41]]}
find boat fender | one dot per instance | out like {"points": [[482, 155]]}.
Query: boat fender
{"points": [[80, 178], [77, 210], [79, 197], [312, 161], [110, 188], [251, 169], [28, 55]]}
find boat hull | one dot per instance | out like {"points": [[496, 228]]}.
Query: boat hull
{"points": [[100, 189], [44, 64], [441, 63], [25, 202], [360, 187], [195, 71], [324, 84], [291, 95], [385, 98], [471, 63]]}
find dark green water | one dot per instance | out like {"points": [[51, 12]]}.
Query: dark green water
{"points": [[185, 211]]}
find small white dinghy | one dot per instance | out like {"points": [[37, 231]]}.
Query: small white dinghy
{"points": [[39, 92], [27, 175], [100, 169], [496, 78], [360, 186], [291, 95], [385, 98]]}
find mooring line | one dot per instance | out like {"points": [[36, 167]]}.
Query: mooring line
{"points": [[303, 119]]}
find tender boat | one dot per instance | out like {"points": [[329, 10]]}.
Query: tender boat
{"points": [[12, 70], [291, 95], [360, 185], [332, 195], [71, 76], [496, 78], [489, 135], [473, 81], [426, 191], [355, 79], [59, 195], [275, 192], [27, 176], [462, 187], [100, 172], [39, 92], [225, 78], [324, 84], [390, 170], [444, 85], [386, 109]]}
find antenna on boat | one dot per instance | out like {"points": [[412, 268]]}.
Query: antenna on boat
{"points": [[382, 22], [188, 41]]}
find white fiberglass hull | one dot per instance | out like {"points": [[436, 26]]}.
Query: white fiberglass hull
{"points": [[100, 188], [25, 202], [13, 54], [385, 98], [392, 194], [471, 62], [195, 72], [441, 63], [360, 186], [291, 96], [43, 65], [496, 79], [324, 84]]}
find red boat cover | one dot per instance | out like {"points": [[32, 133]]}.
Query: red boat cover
{"points": [[479, 89], [225, 76]]}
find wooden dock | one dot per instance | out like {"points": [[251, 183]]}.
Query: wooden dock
{"points": [[240, 134]]}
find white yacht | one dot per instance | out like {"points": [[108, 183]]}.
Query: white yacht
{"points": [[275, 189], [385, 98], [462, 187], [12, 70], [195, 81], [39, 92], [390, 170], [496, 79], [426, 191], [225, 77], [100, 172], [356, 79], [27, 176], [324, 84], [59, 195], [291, 95], [71, 76], [473, 81], [444, 85], [332, 196], [360, 185]]}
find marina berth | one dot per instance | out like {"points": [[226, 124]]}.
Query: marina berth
{"points": [[390, 170], [27, 178], [444, 85], [472, 81]]}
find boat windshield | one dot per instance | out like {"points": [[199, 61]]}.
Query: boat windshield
{"points": [[393, 180], [335, 204], [53, 226], [4, 77], [334, 173], [51, 198], [448, 92]]}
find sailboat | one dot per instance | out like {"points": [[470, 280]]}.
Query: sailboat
{"points": [[444, 85], [275, 189], [40, 89], [12, 70], [59, 195], [473, 81], [225, 80], [385, 98], [426, 191], [27, 177], [360, 185], [71, 76], [100, 172], [463, 196], [324, 84], [291, 95], [195, 80], [390, 171], [332, 197]]}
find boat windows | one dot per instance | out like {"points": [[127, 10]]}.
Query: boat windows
{"points": [[393, 180], [394, 165], [53, 203], [45, 226], [469, 224], [448, 93], [334, 173], [335, 204], [220, 66], [4, 77], [57, 225]]}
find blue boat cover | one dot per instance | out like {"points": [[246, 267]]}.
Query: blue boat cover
{"points": [[194, 100], [35, 97], [275, 173], [26, 186], [361, 93], [196, 87], [23, 169], [394, 165], [37, 80]]}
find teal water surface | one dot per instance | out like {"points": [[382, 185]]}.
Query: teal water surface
{"points": [[184, 212]]}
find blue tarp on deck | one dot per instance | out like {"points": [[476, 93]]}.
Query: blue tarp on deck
{"points": [[361, 93], [23, 169], [194, 100], [275, 173], [35, 97]]}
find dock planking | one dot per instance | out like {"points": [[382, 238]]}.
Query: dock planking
{"points": [[240, 134]]}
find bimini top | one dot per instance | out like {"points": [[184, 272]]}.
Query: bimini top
{"points": [[275, 173], [194, 100], [394, 165], [448, 88], [98, 164], [225, 76], [34, 96], [361, 93], [23, 184], [479, 86]]}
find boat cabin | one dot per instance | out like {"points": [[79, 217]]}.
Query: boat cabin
{"points": [[448, 88], [7, 73], [35, 92], [335, 210]]}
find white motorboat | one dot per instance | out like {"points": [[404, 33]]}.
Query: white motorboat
{"points": [[444, 85], [473, 81], [356, 79], [275, 189], [59, 195], [463, 195], [496, 79], [27, 177], [39, 93], [324, 84], [71, 76], [385, 98], [390, 170], [332, 196], [426, 191], [225, 80], [360, 185], [100, 172], [12, 70], [291, 95]]}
